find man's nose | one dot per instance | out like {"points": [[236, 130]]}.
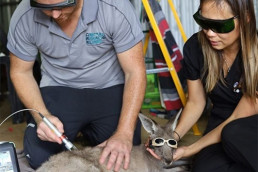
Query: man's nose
{"points": [[56, 13]]}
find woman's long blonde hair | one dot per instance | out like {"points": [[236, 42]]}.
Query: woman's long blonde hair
{"points": [[213, 71]]}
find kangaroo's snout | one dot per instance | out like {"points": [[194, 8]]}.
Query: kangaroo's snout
{"points": [[168, 161]]}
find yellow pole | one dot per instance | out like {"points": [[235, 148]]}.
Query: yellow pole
{"points": [[164, 51], [146, 43], [180, 27], [167, 58]]}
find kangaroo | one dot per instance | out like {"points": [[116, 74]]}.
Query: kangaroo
{"points": [[161, 141]]}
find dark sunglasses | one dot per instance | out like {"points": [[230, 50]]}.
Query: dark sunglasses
{"points": [[64, 4], [218, 26], [160, 142]]}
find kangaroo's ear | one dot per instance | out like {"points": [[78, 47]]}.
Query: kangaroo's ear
{"points": [[148, 124], [173, 121]]}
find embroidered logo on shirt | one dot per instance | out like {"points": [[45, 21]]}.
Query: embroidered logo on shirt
{"points": [[95, 38]]}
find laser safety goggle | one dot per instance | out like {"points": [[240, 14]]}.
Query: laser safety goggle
{"points": [[60, 5], [218, 26], [160, 142]]}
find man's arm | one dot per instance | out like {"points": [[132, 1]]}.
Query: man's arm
{"points": [[21, 73], [120, 144]]}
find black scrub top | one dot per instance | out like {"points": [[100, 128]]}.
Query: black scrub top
{"points": [[224, 98]]}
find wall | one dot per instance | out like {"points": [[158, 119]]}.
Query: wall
{"points": [[185, 10], [6, 9]]}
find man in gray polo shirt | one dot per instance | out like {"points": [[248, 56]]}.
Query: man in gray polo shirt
{"points": [[93, 74]]}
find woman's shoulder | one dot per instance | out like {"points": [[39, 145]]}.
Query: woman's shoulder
{"points": [[193, 42], [193, 58], [193, 47]]}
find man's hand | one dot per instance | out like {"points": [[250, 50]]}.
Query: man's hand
{"points": [[46, 134], [118, 148]]}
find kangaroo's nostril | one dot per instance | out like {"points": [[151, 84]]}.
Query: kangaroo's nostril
{"points": [[168, 161]]}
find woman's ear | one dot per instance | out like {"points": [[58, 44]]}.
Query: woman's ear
{"points": [[247, 17]]}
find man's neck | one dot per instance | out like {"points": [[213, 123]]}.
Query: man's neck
{"points": [[69, 26]]}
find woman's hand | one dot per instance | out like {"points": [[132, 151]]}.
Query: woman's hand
{"points": [[181, 152]]}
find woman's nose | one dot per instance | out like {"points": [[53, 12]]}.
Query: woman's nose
{"points": [[209, 32]]}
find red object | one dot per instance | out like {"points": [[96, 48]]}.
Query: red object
{"points": [[10, 129]]}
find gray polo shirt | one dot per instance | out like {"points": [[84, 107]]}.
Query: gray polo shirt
{"points": [[88, 59]]}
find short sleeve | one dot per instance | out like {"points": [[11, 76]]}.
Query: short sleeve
{"points": [[126, 27], [20, 41], [193, 59]]}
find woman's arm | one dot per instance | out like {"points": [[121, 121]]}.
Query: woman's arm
{"points": [[246, 107], [193, 108]]}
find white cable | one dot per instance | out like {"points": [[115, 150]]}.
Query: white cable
{"points": [[18, 112], [64, 139]]}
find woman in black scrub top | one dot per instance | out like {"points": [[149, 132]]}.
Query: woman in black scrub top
{"points": [[221, 62]]}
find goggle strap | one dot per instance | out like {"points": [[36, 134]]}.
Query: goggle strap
{"points": [[150, 144], [63, 4]]}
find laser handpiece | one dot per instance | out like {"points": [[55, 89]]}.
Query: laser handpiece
{"points": [[69, 146]]}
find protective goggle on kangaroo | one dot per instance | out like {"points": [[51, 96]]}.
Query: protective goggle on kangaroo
{"points": [[218, 26], [60, 5], [160, 142]]}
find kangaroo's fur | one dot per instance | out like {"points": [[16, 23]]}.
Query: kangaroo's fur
{"points": [[141, 160]]}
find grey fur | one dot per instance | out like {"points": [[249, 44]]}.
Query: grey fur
{"points": [[141, 160]]}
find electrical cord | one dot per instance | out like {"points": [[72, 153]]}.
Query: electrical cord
{"points": [[18, 112], [64, 139]]}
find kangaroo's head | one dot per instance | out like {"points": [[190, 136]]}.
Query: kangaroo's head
{"points": [[162, 140]]}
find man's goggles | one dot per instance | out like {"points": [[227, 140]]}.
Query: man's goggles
{"points": [[64, 4], [160, 142], [218, 26]]}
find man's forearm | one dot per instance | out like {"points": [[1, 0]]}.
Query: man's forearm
{"points": [[133, 65], [28, 92], [134, 91]]}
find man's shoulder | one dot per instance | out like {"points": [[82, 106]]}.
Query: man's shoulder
{"points": [[22, 9], [113, 2], [119, 4]]}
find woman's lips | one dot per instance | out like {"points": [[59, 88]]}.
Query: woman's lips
{"points": [[214, 43]]}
